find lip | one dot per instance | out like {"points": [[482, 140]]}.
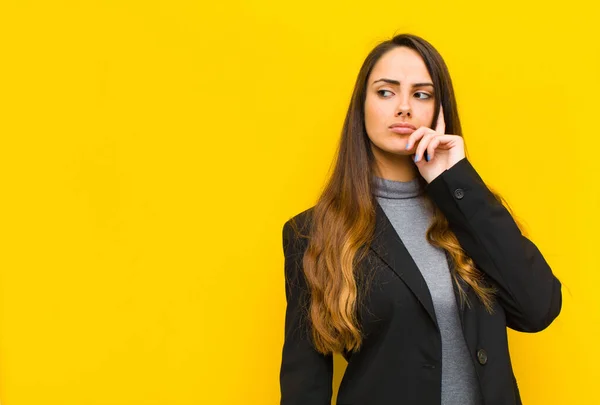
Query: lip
{"points": [[403, 125], [402, 130]]}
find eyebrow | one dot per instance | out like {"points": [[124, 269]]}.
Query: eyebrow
{"points": [[397, 83]]}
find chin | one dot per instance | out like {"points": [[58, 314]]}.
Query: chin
{"points": [[402, 152], [397, 150], [398, 147], [395, 146]]}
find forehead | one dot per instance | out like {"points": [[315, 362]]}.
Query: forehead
{"points": [[401, 64]]}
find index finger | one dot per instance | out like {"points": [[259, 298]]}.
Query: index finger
{"points": [[441, 124]]}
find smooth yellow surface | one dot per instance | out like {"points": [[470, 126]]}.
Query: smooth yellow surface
{"points": [[151, 152]]}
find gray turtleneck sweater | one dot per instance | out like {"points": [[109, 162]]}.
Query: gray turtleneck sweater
{"points": [[405, 205]]}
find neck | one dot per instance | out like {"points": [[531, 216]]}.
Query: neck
{"points": [[392, 166]]}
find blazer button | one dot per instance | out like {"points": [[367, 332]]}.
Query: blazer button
{"points": [[459, 193], [482, 356]]}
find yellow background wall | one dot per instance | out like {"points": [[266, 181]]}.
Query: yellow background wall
{"points": [[151, 152]]}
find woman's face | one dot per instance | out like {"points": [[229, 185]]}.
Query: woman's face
{"points": [[399, 90]]}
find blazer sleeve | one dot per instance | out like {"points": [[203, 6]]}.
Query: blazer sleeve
{"points": [[306, 375], [528, 291]]}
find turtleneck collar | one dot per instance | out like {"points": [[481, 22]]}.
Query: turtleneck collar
{"points": [[397, 189]]}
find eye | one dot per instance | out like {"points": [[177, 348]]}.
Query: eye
{"points": [[425, 94], [379, 92]]}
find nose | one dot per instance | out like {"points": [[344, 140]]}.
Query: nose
{"points": [[403, 112], [403, 109]]}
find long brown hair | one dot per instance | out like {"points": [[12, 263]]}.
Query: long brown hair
{"points": [[343, 218]]}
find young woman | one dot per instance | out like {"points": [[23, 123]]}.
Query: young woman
{"points": [[408, 265]]}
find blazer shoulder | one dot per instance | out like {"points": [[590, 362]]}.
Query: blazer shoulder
{"points": [[297, 228], [301, 222]]}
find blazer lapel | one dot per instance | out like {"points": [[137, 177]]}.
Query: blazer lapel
{"points": [[390, 248]]}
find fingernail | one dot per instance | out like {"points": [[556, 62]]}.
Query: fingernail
{"points": [[416, 158], [407, 146]]}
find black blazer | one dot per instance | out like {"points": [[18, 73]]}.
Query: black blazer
{"points": [[400, 361]]}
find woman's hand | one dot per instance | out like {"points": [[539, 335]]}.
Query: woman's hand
{"points": [[443, 150]]}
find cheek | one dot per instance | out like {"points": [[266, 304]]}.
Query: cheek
{"points": [[427, 116], [374, 115], [371, 122]]}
